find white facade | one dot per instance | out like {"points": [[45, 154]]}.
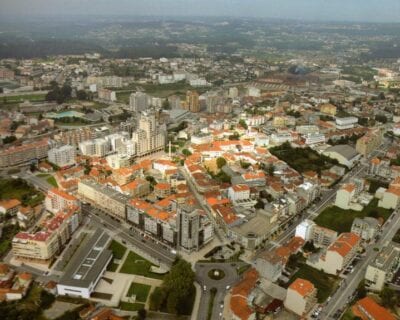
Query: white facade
{"points": [[63, 156], [346, 123]]}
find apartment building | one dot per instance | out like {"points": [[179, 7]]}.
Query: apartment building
{"points": [[139, 101], [383, 268], [192, 101], [63, 156], [74, 137], [107, 95], [301, 296], [105, 197], [369, 142], [24, 153], [58, 200]]}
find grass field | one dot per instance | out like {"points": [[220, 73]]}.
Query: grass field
{"points": [[51, 180], [22, 98], [112, 267], [326, 284], [341, 220], [141, 291], [117, 249], [135, 264], [131, 306], [19, 189]]}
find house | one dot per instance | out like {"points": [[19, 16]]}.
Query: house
{"points": [[345, 195], [301, 296], [368, 309], [239, 192], [390, 198], [337, 255]]}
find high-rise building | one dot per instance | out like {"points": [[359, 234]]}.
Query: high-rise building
{"points": [[192, 101], [150, 135], [74, 137], [139, 101], [63, 156]]}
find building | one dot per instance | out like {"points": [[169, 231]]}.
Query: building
{"points": [[9, 207], [13, 286], [336, 257], [194, 229], [97, 147], [328, 109], [63, 156], [87, 267], [107, 81], [105, 197], [369, 142], [192, 101], [344, 154], [74, 137], [346, 123], [368, 309], [139, 101], [366, 228], [24, 153], [383, 268], [314, 138], [390, 198], [107, 95], [239, 192], [301, 296], [7, 74], [345, 196], [150, 135], [58, 200], [42, 246]]}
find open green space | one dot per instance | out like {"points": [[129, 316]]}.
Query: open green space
{"points": [[51, 180], [302, 159], [348, 315], [21, 190], [135, 264], [341, 220], [141, 291], [21, 98], [9, 231], [131, 306], [117, 249], [325, 284], [112, 267]]}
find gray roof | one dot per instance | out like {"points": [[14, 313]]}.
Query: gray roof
{"points": [[88, 262], [344, 150]]}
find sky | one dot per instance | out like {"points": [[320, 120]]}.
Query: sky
{"points": [[326, 10]]}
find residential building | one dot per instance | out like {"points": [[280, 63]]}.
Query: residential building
{"points": [[192, 101], [9, 207], [369, 142], [107, 95], [368, 309], [194, 229], [337, 255], [150, 135], [87, 267], [24, 153], [301, 297], [328, 109], [13, 286], [63, 156], [74, 137], [345, 195], [366, 228], [383, 268], [105, 197], [58, 200], [139, 101], [239, 192], [346, 123]]}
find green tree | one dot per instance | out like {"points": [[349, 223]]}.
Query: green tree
{"points": [[142, 314], [81, 95], [221, 162], [243, 124], [166, 105], [157, 298], [389, 297], [186, 152]]}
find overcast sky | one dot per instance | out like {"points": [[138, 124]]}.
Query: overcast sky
{"points": [[339, 10]]}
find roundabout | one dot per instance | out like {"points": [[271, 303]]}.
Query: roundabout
{"points": [[216, 274]]}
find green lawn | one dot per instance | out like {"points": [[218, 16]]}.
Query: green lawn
{"points": [[325, 284], [22, 98], [131, 306], [51, 180], [117, 249], [135, 264], [348, 315], [141, 291], [112, 267], [341, 220]]}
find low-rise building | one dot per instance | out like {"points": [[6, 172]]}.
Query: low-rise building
{"points": [[58, 200], [301, 296], [86, 267], [366, 228], [368, 309]]}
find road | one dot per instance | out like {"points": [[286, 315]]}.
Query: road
{"points": [[222, 286], [38, 182], [162, 254], [350, 284]]}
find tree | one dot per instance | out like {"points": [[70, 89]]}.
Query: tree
{"points": [[389, 297], [271, 170], [81, 95], [220, 162], [186, 152], [157, 298], [166, 105], [381, 118], [243, 124], [9, 139]]}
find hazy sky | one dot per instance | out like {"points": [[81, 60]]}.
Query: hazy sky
{"points": [[354, 10]]}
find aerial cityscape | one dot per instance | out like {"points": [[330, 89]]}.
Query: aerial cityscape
{"points": [[199, 160]]}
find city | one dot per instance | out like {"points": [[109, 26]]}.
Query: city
{"points": [[188, 165]]}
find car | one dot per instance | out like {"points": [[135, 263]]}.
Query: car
{"points": [[228, 287], [204, 288]]}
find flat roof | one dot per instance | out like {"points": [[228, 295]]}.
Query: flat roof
{"points": [[88, 262]]}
